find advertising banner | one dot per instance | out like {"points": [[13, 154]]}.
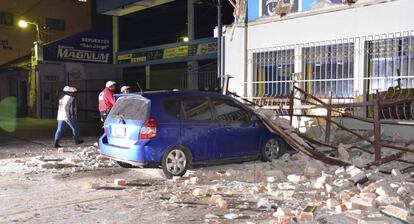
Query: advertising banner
{"points": [[168, 53], [92, 46], [269, 6]]}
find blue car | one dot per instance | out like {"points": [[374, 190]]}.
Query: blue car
{"points": [[175, 130]]}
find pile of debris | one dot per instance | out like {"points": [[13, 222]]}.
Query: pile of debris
{"points": [[87, 158], [295, 189]]}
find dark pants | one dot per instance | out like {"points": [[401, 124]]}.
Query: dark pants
{"points": [[61, 128], [104, 114]]}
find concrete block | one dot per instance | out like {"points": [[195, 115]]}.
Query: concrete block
{"points": [[403, 192], [356, 174], [373, 186], [397, 175], [345, 195], [340, 171], [231, 216], [284, 220], [120, 182], [373, 220], [398, 212], [306, 217], [312, 170], [341, 208], [364, 202], [221, 203], [177, 179], [384, 200], [199, 192], [294, 178], [355, 216], [328, 188], [214, 198], [331, 203], [195, 180]]}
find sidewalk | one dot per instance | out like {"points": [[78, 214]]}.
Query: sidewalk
{"points": [[35, 137]]}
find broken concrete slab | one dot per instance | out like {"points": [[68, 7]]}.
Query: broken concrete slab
{"points": [[399, 213]]}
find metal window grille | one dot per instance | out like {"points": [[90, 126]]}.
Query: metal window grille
{"points": [[352, 69]]}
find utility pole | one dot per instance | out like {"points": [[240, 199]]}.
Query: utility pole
{"points": [[219, 44]]}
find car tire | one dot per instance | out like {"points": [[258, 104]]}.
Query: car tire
{"points": [[273, 148], [175, 161], [124, 165]]}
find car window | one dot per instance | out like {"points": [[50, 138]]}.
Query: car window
{"points": [[197, 109], [130, 107], [229, 111], [172, 107]]}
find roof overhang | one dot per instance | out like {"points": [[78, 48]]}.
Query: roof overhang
{"points": [[124, 7]]}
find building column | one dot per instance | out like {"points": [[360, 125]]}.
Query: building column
{"points": [[192, 66], [147, 77], [115, 37]]}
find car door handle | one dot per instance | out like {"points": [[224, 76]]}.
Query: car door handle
{"points": [[189, 128]]}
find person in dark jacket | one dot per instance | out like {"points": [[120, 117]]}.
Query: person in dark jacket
{"points": [[107, 99], [67, 115]]}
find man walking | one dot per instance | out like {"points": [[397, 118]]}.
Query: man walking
{"points": [[107, 99], [67, 115]]}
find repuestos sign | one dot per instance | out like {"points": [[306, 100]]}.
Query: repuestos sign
{"points": [[92, 46]]}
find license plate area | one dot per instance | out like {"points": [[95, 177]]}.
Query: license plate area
{"points": [[120, 132]]}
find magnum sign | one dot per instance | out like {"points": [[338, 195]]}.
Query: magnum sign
{"points": [[70, 53]]}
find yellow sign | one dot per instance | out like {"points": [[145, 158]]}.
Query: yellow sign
{"points": [[206, 48], [138, 59], [176, 52], [124, 57]]}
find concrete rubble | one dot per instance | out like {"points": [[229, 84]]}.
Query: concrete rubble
{"points": [[296, 189], [87, 158]]}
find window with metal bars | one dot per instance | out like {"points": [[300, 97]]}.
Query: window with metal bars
{"points": [[329, 68], [273, 73]]}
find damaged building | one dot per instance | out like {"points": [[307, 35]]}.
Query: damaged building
{"points": [[335, 49]]}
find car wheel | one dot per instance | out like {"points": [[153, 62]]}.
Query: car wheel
{"points": [[175, 162], [272, 149], [124, 165]]}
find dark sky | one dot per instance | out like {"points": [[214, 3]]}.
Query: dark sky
{"points": [[166, 23]]}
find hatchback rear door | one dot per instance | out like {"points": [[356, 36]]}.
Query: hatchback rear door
{"points": [[123, 123]]}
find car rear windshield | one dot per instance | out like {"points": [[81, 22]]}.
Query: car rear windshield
{"points": [[130, 107]]}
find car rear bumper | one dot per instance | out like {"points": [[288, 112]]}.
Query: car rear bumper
{"points": [[134, 155]]}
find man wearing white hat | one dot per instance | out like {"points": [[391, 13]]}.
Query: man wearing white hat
{"points": [[107, 99], [67, 115], [125, 89]]}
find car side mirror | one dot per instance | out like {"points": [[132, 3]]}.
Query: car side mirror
{"points": [[254, 119]]}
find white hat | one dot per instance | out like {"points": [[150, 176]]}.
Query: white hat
{"points": [[66, 89], [72, 90], [123, 88], [109, 84]]}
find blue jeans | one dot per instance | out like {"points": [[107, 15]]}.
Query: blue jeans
{"points": [[61, 128]]}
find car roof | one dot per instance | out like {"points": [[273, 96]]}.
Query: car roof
{"points": [[162, 94], [177, 93]]}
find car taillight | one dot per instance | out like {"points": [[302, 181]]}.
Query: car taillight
{"points": [[148, 130]]}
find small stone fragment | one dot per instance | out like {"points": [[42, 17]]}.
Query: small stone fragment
{"points": [[120, 182], [231, 216], [177, 179]]}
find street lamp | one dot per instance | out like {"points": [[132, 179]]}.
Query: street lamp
{"points": [[24, 24], [38, 56]]}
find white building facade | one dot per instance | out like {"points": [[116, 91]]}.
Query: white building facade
{"points": [[349, 51]]}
